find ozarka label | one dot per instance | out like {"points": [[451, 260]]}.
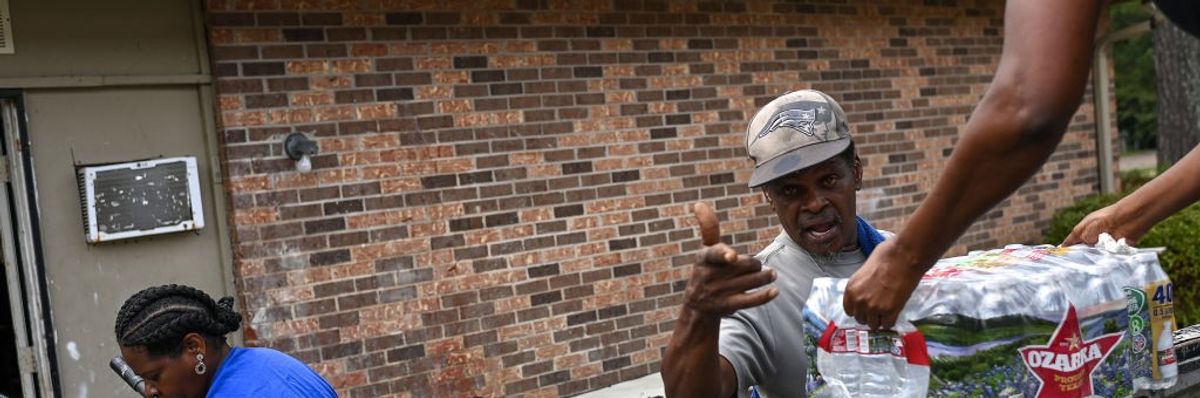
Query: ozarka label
{"points": [[1065, 364]]}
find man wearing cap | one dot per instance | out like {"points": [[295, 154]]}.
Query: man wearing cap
{"points": [[740, 324]]}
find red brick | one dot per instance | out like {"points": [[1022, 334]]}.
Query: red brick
{"points": [[306, 67], [529, 169]]}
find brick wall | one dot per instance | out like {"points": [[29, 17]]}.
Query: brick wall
{"points": [[499, 203]]}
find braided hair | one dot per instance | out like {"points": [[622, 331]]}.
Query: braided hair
{"points": [[157, 318]]}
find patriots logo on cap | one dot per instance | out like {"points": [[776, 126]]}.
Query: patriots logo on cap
{"points": [[802, 120]]}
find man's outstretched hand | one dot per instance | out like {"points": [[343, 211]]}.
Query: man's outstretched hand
{"points": [[721, 278], [878, 291], [718, 285]]}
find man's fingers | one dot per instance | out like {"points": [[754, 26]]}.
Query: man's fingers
{"points": [[747, 264], [862, 317], [749, 281], [856, 308], [710, 231], [889, 320], [873, 319], [876, 319], [848, 304], [1076, 236], [751, 299], [1087, 236], [719, 254]]}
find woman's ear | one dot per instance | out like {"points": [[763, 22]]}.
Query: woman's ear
{"points": [[194, 343]]}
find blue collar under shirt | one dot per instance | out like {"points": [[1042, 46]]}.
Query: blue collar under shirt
{"points": [[868, 236]]}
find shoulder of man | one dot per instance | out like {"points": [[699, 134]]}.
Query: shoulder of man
{"points": [[774, 248]]}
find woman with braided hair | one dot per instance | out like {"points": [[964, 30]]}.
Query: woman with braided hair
{"points": [[173, 336]]}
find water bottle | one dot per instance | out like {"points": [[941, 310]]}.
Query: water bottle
{"points": [[1168, 368]]}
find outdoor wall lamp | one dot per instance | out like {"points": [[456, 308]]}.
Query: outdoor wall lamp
{"points": [[299, 148]]}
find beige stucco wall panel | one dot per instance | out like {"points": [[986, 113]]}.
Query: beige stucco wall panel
{"points": [[88, 283], [79, 37]]}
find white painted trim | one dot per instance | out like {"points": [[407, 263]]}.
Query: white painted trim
{"points": [[26, 241], [27, 361]]}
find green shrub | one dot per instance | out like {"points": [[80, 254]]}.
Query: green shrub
{"points": [[1179, 234], [1131, 179], [1066, 218]]}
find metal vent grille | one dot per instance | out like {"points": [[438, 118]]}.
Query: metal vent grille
{"points": [[6, 39], [141, 198]]}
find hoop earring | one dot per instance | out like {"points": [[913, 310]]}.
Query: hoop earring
{"points": [[200, 366]]}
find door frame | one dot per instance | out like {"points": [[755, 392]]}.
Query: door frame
{"points": [[21, 246]]}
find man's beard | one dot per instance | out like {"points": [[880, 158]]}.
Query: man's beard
{"points": [[828, 252]]}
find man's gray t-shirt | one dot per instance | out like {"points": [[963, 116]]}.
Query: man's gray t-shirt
{"points": [[765, 344]]}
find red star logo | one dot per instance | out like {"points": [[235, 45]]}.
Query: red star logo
{"points": [[1064, 366]]}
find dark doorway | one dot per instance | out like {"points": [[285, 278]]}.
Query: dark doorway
{"points": [[10, 374]]}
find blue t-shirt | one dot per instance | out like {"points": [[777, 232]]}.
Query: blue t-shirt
{"points": [[263, 372]]}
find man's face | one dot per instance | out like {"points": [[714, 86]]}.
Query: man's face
{"points": [[816, 205]]}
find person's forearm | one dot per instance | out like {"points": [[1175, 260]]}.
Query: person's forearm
{"points": [[692, 365], [993, 159], [1038, 86], [1163, 196], [1039, 82]]}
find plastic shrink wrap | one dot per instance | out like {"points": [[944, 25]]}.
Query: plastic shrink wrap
{"points": [[1023, 321]]}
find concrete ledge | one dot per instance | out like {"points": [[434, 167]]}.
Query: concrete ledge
{"points": [[650, 386]]}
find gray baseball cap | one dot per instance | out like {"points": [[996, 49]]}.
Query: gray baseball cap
{"points": [[795, 131]]}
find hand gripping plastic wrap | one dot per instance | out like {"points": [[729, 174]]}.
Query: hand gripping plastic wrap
{"points": [[1024, 321]]}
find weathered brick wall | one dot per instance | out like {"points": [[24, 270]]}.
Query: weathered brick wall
{"points": [[499, 203]]}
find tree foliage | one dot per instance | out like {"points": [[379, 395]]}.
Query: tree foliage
{"points": [[1133, 63]]}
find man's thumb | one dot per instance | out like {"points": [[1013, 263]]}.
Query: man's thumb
{"points": [[710, 231]]}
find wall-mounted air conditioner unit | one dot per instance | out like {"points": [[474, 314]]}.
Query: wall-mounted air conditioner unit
{"points": [[6, 40], [150, 197]]}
